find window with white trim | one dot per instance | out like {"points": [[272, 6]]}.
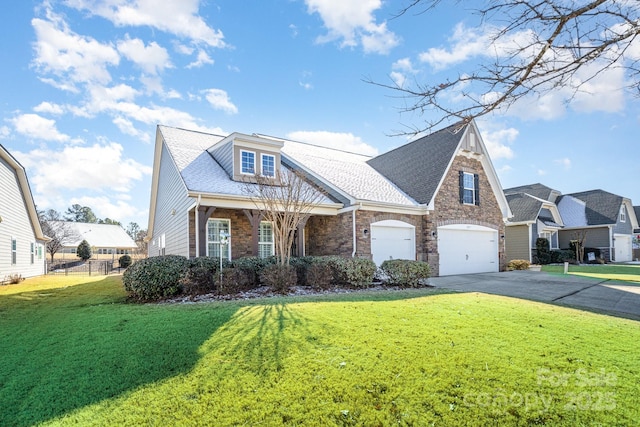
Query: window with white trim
{"points": [[469, 189], [214, 227], [247, 162], [268, 165], [14, 251], [552, 237], [33, 253], [265, 239], [623, 214]]}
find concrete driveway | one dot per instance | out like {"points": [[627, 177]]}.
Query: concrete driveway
{"points": [[604, 296]]}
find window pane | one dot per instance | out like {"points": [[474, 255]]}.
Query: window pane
{"points": [[248, 162], [214, 227], [265, 240], [268, 165], [469, 187]]}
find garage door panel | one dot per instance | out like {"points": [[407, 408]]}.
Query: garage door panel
{"points": [[466, 251], [392, 242], [623, 248]]}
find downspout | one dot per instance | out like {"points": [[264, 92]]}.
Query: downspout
{"points": [[355, 237], [197, 225]]}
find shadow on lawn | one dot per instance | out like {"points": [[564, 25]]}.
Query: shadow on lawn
{"points": [[69, 348]]}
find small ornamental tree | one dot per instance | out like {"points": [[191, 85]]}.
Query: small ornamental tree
{"points": [[84, 250]]}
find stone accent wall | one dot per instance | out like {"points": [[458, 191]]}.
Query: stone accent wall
{"points": [[449, 210], [240, 232]]}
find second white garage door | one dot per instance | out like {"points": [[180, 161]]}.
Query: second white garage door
{"points": [[623, 248], [467, 248]]}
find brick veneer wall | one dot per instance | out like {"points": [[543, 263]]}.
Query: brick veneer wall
{"points": [[448, 210], [240, 232]]}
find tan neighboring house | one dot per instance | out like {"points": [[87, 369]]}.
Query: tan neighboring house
{"points": [[22, 243], [436, 199], [107, 241]]}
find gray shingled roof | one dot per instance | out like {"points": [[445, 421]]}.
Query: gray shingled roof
{"points": [[417, 167], [538, 190], [601, 207], [523, 207]]}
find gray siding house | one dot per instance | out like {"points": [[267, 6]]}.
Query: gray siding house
{"points": [[22, 243], [436, 199]]}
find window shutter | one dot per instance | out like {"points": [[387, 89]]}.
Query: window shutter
{"points": [[461, 177], [476, 188]]}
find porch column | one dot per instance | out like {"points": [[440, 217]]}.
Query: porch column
{"points": [[202, 228], [300, 238], [254, 217]]}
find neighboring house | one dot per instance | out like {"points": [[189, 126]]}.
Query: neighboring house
{"points": [[21, 239], [608, 220], [436, 199], [535, 215], [107, 241]]}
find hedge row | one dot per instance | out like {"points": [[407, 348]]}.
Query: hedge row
{"points": [[167, 276]]}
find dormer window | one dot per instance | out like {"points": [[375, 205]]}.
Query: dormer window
{"points": [[623, 214], [247, 162], [268, 165]]}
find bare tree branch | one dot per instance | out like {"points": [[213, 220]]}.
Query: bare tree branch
{"points": [[285, 201], [533, 47]]}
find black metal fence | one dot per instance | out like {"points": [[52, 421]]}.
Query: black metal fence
{"points": [[82, 268]]}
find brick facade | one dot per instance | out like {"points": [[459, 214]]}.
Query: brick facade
{"points": [[333, 235]]}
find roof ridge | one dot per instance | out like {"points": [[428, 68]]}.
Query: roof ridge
{"points": [[311, 144]]}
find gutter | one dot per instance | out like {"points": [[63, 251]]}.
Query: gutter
{"points": [[197, 226]]}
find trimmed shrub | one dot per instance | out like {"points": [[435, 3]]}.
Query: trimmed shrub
{"points": [[542, 250], [563, 255], [319, 275], [280, 278], [84, 250], [125, 261], [234, 280], [354, 272], [156, 277], [518, 264], [403, 272], [254, 264], [302, 264], [197, 281]]}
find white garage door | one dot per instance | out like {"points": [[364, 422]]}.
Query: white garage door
{"points": [[467, 248], [392, 239], [623, 247]]}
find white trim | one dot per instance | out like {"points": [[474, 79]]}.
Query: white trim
{"points": [[262, 156], [254, 162], [272, 243], [228, 221]]}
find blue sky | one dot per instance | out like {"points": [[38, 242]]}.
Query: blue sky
{"points": [[85, 82]]}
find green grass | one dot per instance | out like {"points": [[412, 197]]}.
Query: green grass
{"points": [[81, 355], [623, 273]]}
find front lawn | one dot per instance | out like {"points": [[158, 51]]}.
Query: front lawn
{"points": [[81, 355], [624, 273]]}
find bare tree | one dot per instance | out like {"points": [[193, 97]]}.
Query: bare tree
{"points": [[532, 47], [579, 238], [286, 201], [60, 232]]}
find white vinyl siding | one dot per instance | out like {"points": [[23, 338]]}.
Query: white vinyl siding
{"points": [[171, 198], [214, 227], [16, 229], [265, 240]]}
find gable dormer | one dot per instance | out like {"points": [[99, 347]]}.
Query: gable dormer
{"points": [[244, 157], [470, 141]]}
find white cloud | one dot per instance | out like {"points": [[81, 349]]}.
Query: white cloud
{"points": [[339, 140], [4, 132], [152, 58], [541, 172], [48, 107], [353, 23], [127, 127], [97, 167], [219, 100], [69, 56], [203, 58], [564, 162], [498, 139], [183, 49], [105, 207], [401, 68], [176, 17], [37, 127]]}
